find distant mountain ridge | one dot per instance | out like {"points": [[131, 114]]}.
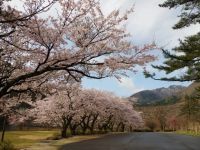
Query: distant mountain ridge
{"points": [[158, 96]]}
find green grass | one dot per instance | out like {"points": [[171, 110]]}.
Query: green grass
{"points": [[37, 139], [57, 144], [23, 139], [191, 133]]}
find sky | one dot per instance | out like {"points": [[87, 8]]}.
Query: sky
{"points": [[148, 23]]}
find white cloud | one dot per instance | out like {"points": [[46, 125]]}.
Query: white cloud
{"points": [[150, 22], [108, 6], [128, 84]]}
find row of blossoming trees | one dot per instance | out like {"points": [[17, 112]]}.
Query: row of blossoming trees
{"points": [[79, 110], [86, 110], [55, 41]]}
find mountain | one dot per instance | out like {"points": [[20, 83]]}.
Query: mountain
{"points": [[158, 96]]}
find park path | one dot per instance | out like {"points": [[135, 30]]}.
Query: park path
{"points": [[138, 141]]}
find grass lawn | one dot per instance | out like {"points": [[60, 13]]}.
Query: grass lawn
{"points": [[56, 144], [192, 133], [23, 139], [36, 140]]}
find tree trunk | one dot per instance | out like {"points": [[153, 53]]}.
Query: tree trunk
{"points": [[4, 129], [105, 127], [123, 127], [100, 128], [111, 127], [118, 126], [73, 129], [64, 129], [83, 124], [64, 132], [93, 123], [130, 129], [91, 130], [84, 130]]}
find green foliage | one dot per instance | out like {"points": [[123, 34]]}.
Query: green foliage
{"points": [[187, 56], [190, 11], [22, 139], [37, 140], [168, 101], [191, 133], [6, 145]]}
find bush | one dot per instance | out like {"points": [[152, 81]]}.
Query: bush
{"points": [[6, 145]]}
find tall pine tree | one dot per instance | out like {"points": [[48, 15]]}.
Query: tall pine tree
{"points": [[186, 56], [190, 11]]}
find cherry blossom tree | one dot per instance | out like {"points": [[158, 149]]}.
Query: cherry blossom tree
{"points": [[79, 41], [13, 112], [10, 18], [96, 105], [89, 110], [40, 52], [121, 116], [57, 110]]}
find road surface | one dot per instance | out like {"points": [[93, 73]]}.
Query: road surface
{"points": [[138, 141]]}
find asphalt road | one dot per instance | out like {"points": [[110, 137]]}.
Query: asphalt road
{"points": [[138, 141]]}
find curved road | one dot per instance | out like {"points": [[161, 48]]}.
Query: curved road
{"points": [[138, 141]]}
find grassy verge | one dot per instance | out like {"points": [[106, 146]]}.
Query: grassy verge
{"points": [[22, 139], [34, 140], [191, 133], [56, 144]]}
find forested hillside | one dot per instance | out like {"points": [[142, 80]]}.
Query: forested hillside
{"points": [[160, 96], [159, 115]]}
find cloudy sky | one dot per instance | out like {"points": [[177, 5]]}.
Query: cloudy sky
{"points": [[148, 23]]}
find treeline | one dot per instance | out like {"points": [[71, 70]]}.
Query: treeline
{"points": [[184, 115], [82, 111], [167, 101], [191, 111]]}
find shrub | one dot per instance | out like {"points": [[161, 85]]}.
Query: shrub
{"points": [[6, 145]]}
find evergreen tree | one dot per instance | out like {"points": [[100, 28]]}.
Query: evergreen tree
{"points": [[190, 13], [187, 55]]}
